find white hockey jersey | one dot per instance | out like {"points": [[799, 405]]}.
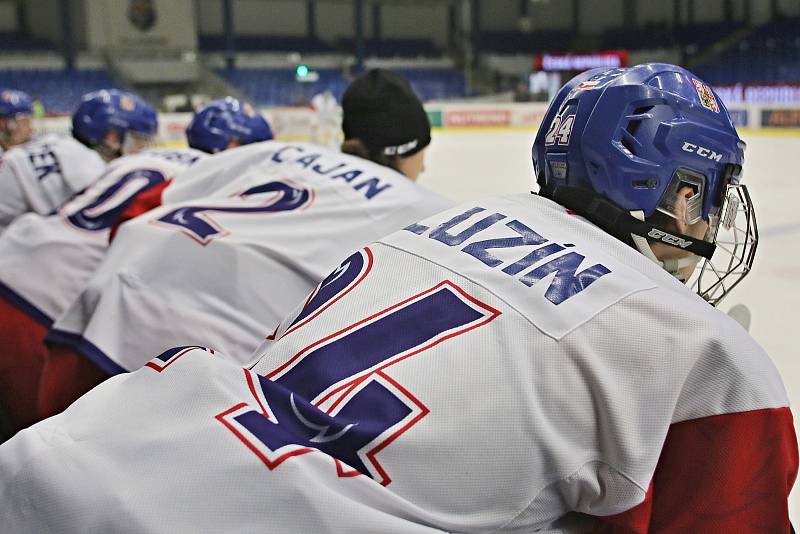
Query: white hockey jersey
{"points": [[45, 260], [500, 367], [274, 219], [44, 173]]}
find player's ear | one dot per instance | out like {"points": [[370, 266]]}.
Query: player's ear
{"points": [[112, 140], [681, 207], [233, 143]]}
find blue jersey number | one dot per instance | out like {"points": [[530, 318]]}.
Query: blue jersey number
{"points": [[336, 395], [197, 223], [104, 211]]}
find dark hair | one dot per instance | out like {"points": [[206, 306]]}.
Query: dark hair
{"points": [[356, 147]]}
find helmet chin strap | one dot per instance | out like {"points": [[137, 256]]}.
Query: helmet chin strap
{"points": [[672, 266], [630, 227]]}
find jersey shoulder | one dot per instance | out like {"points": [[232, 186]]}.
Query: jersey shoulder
{"points": [[55, 159], [555, 269], [235, 171], [170, 162], [211, 174], [184, 157], [730, 371]]}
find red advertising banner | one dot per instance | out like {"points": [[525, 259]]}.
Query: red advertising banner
{"points": [[783, 93], [478, 117], [780, 118]]}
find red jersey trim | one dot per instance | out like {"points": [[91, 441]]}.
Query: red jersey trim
{"points": [[722, 473]]}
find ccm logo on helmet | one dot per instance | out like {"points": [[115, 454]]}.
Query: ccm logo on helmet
{"points": [[668, 238], [701, 151]]}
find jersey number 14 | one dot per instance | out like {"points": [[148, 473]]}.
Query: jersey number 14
{"points": [[336, 394]]}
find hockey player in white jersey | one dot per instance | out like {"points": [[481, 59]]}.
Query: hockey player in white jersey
{"points": [[221, 125], [42, 174], [16, 111], [510, 365], [46, 260], [272, 221]]}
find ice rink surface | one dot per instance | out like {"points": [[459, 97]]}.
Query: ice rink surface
{"points": [[466, 165]]}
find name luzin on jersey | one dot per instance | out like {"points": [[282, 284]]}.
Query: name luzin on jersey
{"points": [[566, 281]]}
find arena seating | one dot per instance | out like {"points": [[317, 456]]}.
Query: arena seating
{"points": [[516, 42], [436, 84], [278, 87], [405, 48], [376, 47], [14, 42], [652, 36], [648, 37], [767, 55], [59, 90], [217, 43]]}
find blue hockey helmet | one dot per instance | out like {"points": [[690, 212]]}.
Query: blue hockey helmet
{"points": [[106, 110], [16, 111], [14, 103], [228, 119], [629, 138]]}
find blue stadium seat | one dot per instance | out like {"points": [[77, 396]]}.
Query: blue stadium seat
{"points": [[59, 90], [516, 42], [217, 43], [768, 55], [18, 42], [278, 87], [405, 48], [650, 36], [435, 84]]}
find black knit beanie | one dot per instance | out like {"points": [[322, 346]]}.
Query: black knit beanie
{"points": [[381, 110]]}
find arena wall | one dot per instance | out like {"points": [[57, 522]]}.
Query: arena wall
{"points": [[296, 123]]}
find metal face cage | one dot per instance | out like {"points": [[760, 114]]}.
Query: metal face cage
{"points": [[735, 232]]}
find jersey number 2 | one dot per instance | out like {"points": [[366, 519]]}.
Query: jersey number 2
{"points": [[197, 221]]}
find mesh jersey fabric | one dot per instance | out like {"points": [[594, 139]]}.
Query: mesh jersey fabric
{"points": [[273, 219], [581, 401], [413, 390], [47, 259], [42, 174]]}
